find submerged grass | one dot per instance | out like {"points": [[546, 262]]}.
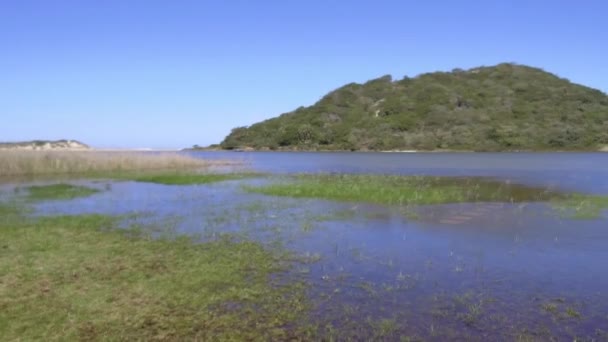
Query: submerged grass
{"points": [[404, 190], [77, 277], [58, 192], [582, 207], [192, 179]]}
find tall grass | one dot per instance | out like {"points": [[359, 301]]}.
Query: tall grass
{"points": [[27, 163]]}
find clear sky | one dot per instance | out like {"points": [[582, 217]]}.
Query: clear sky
{"points": [[173, 73]]}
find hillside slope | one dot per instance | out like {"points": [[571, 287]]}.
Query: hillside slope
{"points": [[503, 107], [36, 145]]}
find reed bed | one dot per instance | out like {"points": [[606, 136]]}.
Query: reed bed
{"points": [[29, 163]]}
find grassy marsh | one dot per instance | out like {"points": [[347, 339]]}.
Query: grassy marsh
{"points": [[403, 190], [77, 277], [192, 179], [58, 192], [580, 206], [428, 190]]}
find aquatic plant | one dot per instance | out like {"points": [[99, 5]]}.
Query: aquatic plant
{"points": [[61, 191], [310, 258], [550, 307], [581, 206], [402, 190], [385, 327], [571, 312], [192, 179]]}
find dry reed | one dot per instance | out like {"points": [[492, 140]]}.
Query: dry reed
{"points": [[18, 163]]}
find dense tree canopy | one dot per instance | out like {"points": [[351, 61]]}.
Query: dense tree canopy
{"points": [[504, 107]]}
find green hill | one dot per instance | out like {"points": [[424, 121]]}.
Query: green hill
{"points": [[503, 107]]}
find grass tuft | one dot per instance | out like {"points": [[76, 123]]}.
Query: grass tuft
{"points": [[10, 212], [582, 207], [191, 179], [58, 192]]}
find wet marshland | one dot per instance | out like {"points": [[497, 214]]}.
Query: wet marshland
{"points": [[509, 264]]}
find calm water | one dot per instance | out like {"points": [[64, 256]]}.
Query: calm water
{"points": [[483, 271], [581, 171]]}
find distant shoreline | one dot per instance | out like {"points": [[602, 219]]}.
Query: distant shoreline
{"points": [[133, 150], [601, 150]]}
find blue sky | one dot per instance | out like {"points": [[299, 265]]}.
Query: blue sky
{"points": [[170, 74]]}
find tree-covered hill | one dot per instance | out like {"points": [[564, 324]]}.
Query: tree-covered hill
{"points": [[504, 107]]}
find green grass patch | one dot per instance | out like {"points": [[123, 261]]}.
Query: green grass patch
{"points": [[10, 212], [9, 209], [403, 190], [80, 278], [58, 192], [582, 207], [191, 179]]}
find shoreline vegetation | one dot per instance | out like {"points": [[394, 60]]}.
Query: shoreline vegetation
{"points": [[16, 163], [251, 149]]}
